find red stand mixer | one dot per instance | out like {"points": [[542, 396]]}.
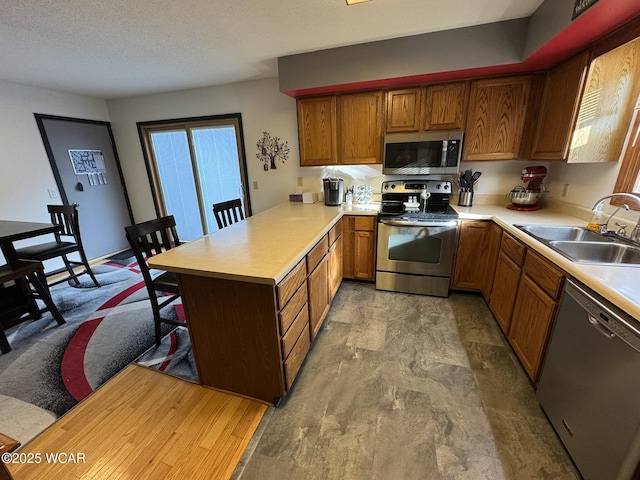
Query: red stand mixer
{"points": [[527, 198]]}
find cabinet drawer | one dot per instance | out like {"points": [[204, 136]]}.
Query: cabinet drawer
{"points": [[335, 232], [289, 338], [317, 253], [367, 223], [548, 277], [296, 357], [289, 313], [513, 248], [288, 286]]}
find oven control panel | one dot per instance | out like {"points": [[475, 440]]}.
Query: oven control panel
{"points": [[416, 186]]}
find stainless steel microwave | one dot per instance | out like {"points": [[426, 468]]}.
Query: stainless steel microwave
{"points": [[422, 153]]}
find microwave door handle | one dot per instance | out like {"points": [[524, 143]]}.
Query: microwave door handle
{"points": [[443, 158]]}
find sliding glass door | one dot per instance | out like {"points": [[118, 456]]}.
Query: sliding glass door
{"points": [[193, 165]]}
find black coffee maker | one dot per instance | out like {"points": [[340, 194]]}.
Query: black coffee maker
{"points": [[333, 191]]}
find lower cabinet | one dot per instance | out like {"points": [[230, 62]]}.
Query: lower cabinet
{"points": [[335, 258], [293, 321], [535, 310], [533, 316], [506, 279], [521, 287], [359, 261], [478, 243], [319, 295]]}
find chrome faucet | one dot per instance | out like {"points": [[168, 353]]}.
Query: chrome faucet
{"points": [[622, 230], [635, 233]]}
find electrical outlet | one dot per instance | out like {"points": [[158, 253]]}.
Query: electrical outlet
{"points": [[565, 187], [299, 181], [53, 193], [255, 184]]}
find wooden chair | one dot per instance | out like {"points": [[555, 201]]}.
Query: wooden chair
{"points": [[148, 239], [15, 298], [67, 241], [228, 212]]}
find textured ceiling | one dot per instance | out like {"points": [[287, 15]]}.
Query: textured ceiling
{"points": [[121, 48]]}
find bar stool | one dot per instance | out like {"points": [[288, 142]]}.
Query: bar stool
{"points": [[16, 300]]}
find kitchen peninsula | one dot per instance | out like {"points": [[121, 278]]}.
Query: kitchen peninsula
{"points": [[255, 294]]}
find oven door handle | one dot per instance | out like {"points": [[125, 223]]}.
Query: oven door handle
{"points": [[418, 223]]}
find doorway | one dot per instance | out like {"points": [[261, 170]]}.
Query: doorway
{"points": [[192, 164], [85, 164]]}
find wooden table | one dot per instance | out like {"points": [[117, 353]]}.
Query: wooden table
{"points": [[144, 424], [13, 230]]}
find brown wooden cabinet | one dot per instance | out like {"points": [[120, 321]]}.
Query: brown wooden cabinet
{"points": [[445, 106], [359, 260], [475, 249], [335, 258], [506, 280], [496, 118], [319, 295], [317, 130], [492, 242], [404, 109], [434, 107], [293, 320], [562, 92], [535, 311], [606, 108], [360, 127], [341, 129], [533, 316]]}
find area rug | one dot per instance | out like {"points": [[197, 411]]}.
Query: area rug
{"points": [[55, 367]]}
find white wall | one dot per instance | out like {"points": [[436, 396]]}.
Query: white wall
{"points": [[25, 172], [263, 108]]}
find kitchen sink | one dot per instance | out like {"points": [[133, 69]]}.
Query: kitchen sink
{"points": [[598, 252], [563, 233], [584, 246]]}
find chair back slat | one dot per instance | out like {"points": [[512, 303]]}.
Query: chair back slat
{"points": [[66, 216], [228, 212], [152, 237]]}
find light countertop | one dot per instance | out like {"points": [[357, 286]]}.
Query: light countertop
{"points": [[618, 284], [266, 246], [261, 249]]}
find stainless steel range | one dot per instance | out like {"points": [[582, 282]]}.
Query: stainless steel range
{"points": [[416, 237]]}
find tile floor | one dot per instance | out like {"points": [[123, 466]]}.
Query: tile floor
{"points": [[405, 387]]}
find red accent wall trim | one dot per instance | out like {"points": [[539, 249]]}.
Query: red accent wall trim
{"points": [[603, 18]]}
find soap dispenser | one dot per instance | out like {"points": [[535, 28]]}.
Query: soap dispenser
{"points": [[598, 221]]}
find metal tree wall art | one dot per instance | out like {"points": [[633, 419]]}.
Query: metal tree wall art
{"points": [[270, 148]]}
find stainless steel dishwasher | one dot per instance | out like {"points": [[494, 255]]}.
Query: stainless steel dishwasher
{"points": [[590, 384]]}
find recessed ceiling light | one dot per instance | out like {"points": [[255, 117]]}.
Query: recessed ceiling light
{"points": [[353, 2]]}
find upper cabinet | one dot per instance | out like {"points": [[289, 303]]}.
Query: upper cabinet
{"points": [[562, 90], [496, 118], [435, 107], [404, 109], [606, 108], [360, 127], [445, 106], [578, 112], [317, 131], [341, 129]]}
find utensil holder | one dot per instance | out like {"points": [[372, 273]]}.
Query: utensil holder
{"points": [[465, 199]]}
